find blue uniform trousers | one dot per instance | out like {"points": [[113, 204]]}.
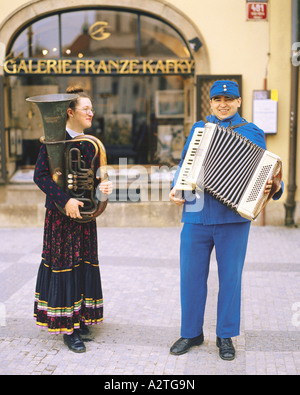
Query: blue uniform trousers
{"points": [[197, 241]]}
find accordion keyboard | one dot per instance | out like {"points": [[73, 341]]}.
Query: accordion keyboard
{"points": [[187, 165]]}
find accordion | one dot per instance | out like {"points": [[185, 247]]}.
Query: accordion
{"points": [[229, 167]]}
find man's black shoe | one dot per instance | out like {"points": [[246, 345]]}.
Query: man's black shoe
{"points": [[182, 345], [226, 349], [74, 342]]}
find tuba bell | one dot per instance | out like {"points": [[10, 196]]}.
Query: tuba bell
{"points": [[67, 167]]}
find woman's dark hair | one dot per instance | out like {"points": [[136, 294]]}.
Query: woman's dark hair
{"points": [[78, 90]]}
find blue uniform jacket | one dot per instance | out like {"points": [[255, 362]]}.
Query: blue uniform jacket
{"points": [[205, 209]]}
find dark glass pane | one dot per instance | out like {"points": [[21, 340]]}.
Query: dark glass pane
{"points": [[125, 119], [99, 33], [160, 40], [40, 40]]}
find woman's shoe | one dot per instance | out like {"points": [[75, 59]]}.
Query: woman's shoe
{"points": [[74, 342], [84, 329]]}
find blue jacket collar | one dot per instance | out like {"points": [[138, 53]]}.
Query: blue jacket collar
{"points": [[233, 120]]}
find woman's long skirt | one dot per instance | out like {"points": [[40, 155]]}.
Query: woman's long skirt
{"points": [[68, 287]]}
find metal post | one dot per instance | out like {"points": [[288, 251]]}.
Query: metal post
{"points": [[3, 171], [290, 203]]}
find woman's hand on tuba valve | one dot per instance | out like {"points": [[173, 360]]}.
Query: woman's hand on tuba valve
{"points": [[106, 187], [72, 208]]}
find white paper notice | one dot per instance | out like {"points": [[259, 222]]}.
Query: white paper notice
{"points": [[265, 115]]}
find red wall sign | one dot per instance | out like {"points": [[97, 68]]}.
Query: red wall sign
{"points": [[257, 11]]}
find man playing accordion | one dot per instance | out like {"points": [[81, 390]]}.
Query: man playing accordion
{"points": [[207, 224]]}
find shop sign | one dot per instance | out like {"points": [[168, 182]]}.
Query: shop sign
{"points": [[257, 10], [97, 31], [98, 66]]}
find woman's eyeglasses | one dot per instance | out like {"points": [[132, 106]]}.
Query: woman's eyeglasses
{"points": [[87, 110]]}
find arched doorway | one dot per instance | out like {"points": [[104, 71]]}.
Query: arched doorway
{"points": [[131, 116]]}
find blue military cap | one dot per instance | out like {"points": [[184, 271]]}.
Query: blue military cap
{"points": [[225, 88]]}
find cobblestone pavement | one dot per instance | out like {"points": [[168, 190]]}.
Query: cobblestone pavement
{"points": [[140, 279]]}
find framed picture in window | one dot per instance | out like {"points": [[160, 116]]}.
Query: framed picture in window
{"points": [[118, 129], [170, 142], [169, 104]]}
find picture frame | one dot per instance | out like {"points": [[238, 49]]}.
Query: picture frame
{"points": [[169, 104], [118, 129], [170, 142]]}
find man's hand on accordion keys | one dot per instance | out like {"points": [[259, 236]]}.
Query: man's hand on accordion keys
{"points": [[273, 185], [174, 197]]}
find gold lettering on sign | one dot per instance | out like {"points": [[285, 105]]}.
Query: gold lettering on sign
{"points": [[97, 31], [90, 67], [115, 64], [124, 64], [147, 66], [160, 67], [133, 66], [23, 66], [66, 66], [170, 66], [102, 67], [189, 65], [41, 67], [98, 66], [52, 66], [79, 63], [10, 67]]}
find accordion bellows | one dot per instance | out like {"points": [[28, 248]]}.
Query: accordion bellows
{"points": [[230, 167]]}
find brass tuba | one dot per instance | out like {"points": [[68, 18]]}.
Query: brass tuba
{"points": [[67, 167]]}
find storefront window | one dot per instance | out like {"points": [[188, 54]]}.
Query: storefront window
{"points": [[125, 115], [39, 40], [99, 33]]}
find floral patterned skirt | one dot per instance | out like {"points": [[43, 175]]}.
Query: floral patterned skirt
{"points": [[68, 287]]}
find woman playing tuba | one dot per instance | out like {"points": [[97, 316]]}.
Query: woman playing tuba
{"points": [[68, 294]]}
